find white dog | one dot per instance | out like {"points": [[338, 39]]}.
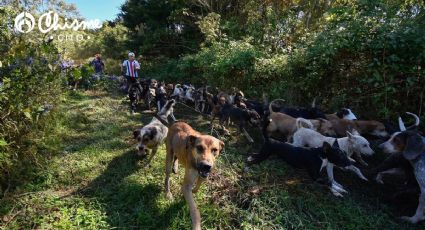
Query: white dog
{"points": [[352, 144]]}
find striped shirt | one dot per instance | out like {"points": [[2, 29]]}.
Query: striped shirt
{"points": [[131, 68]]}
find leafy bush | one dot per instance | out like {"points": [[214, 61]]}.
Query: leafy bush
{"points": [[365, 55], [30, 90]]}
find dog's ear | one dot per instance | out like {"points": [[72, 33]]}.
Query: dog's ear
{"points": [[326, 148], [136, 133], [191, 140], [349, 135], [153, 132], [415, 146], [221, 146]]}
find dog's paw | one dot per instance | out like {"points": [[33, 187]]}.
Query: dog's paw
{"points": [[169, 196], [175, 170], [378, 179], [338, 188], [337, 194]]}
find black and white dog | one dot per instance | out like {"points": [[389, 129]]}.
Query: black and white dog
{"points": [[153, 134], [412, 147], [311, 159]]}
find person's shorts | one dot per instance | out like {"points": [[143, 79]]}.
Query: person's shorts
{"points": [[130, 79]]}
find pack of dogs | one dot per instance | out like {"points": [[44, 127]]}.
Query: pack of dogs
{"points": [[304, 137]]}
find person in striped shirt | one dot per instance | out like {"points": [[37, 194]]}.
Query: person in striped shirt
{"points": [[130, 67]]}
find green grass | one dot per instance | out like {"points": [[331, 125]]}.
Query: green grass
{"points": [[97, 182]]}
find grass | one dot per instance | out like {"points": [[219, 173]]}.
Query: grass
{"points": [[97, 182]]}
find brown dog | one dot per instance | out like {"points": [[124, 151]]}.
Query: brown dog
{"points": [[197, 154], [374, 128], [287, 125]]}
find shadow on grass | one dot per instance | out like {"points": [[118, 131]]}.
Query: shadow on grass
{"points": [[129, 204]]}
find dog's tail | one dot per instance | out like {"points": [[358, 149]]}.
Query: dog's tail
{"points": [[402, 127], [274, 101], [167, 107], [163, 114], [303, 123], [313, 104]]}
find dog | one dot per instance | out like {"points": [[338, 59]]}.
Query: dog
{"points": [[286, 125], [152, 135], [217, 104], [197, 153], [370, 128], [135, 93], [351, 145], [311, 159], [296, 112], [241, 117], [396, 163], [161, 96], [411, 145], [199, 99], [344, 113]]}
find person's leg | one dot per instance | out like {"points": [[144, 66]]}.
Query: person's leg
{"points": [[132, 95], [127, 82]]}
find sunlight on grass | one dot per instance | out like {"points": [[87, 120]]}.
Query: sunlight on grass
{"points": [[97, 182]]}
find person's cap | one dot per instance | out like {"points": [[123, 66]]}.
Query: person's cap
{"points": [[131, 54]]}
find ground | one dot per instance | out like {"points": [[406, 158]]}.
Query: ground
{"points": [[97, 182]]}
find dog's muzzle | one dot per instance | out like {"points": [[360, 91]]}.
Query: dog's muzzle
{"points": [[204, 169], [141, 150]]}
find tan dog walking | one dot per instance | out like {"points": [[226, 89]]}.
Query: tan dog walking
{"points": [[197, 153]]}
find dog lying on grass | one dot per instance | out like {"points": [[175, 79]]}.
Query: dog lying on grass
{"points": [[152, 135], [197, 153]]}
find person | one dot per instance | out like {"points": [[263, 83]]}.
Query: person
{"points": [[98, 64], [130, 69]]}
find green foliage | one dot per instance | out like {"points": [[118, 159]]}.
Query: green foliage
{"points": [[29, 93], [349, 53]]}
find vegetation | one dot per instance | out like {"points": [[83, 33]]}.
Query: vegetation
{"points": [[67, 158], [98, 182]]}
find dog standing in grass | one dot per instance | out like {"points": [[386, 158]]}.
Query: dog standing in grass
{"points": [[197, 153], [153, 134]]}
